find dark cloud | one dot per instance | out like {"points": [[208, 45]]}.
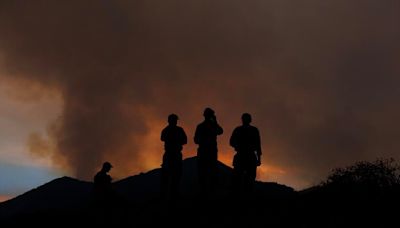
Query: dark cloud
{"points": [[320, 77]]}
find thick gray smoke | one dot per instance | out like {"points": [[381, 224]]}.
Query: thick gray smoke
{"points": [[320, 77]]}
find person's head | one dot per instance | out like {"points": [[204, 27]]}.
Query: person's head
{"points": [[173, 119], [208, 113], [246, 118], [107, 166]]}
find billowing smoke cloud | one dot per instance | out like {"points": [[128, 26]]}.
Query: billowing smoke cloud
{"points": [[320, 77]]}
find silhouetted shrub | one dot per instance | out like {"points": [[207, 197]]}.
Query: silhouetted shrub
{"points": [[382, 173]]}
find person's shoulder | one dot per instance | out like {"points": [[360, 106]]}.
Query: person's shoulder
{"points": [[253, 128], [97, 176], [238, 128], [166, 128], [202, 124], [242, 127]]}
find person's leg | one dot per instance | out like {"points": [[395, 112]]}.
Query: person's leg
{"points": [[237, 179], [175, 179], [164, 182], [213, 169], [207, 172], [201, 174], [165, 178], [251, 172]]}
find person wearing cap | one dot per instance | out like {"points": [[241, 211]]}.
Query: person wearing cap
{"points": [[174, 137], [246, 141], [102, 184], [207, 153]]}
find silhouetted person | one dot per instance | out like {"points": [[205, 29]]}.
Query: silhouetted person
{"points": [[246, 141], [174, 137], [103, 191], [107, 204], [207, 152]]}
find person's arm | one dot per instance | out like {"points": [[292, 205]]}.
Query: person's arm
{"points": [[218, 128], [96, 179], [109, 179], [258, 147], [197, 135], [233, 139], [184, 137], [163, 135], [220, 131], [258, 143]]}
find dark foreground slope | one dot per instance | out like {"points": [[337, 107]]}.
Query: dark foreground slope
{"points": [[66, 202]]}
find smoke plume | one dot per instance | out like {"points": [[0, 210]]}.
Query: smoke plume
{"points": [[319, 77]]}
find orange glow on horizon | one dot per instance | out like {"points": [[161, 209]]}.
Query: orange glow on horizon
{"points": [[5, 198], [152, 152]]}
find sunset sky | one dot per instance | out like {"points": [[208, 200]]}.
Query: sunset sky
{"points": [[82, 82]]}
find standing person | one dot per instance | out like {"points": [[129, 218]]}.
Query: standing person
{"points": [[102, 188], [246, 141], [207, 152], [103, 196], [174, 137]]}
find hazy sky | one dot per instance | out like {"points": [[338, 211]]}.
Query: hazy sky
{"points": [[89, 81]]}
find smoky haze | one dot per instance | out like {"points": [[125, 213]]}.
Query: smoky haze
{"points": [[319, 77]]}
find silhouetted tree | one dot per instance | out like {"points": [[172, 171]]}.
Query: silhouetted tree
{"points": [[360, 195], [381, 173]]}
